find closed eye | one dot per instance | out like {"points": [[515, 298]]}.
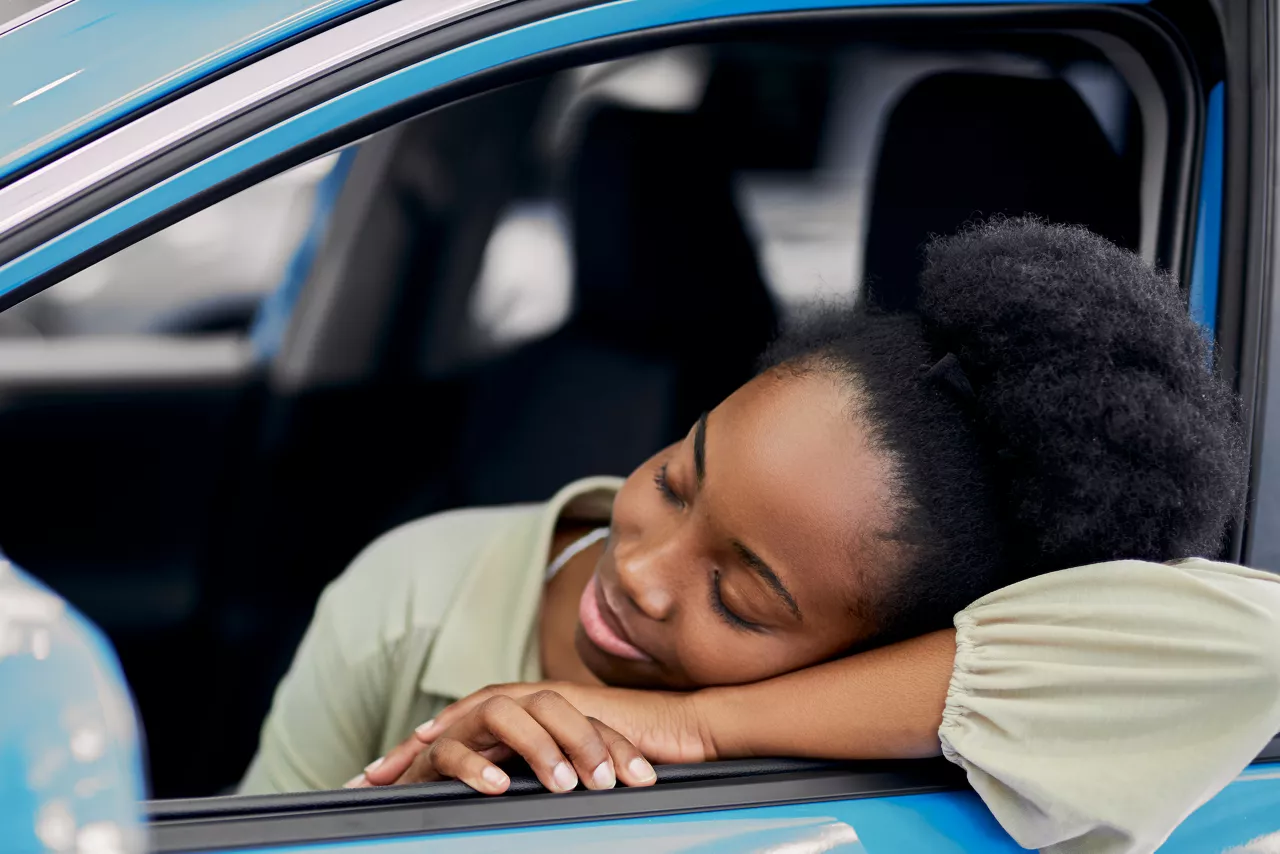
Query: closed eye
{"points": [[726, 614], [663, 483]]}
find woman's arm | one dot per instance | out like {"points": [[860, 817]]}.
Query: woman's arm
{"points": [[882, 704], [886, 703]]}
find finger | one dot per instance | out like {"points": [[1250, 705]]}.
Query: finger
{"points": [[456, 711], [389, 768], [497, 754], [426, 732], [451, 758], [576, 737], [633, 769], [395, 767], [421, 770], [501, 719]]}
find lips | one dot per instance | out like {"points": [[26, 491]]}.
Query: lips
{"points": [[602, 626]]}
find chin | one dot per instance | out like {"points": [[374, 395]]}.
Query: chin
{"points": [[618, 672]]}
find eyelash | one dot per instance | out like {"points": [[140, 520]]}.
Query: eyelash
{"points": [[717, 604], [664, 486]]}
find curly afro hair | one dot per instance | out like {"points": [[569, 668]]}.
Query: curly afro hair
{"points": [[1049, 403]]}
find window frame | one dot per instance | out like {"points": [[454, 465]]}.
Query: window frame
{"points": [[384, 63]]}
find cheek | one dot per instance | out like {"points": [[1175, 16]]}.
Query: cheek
{"points": [[712, 653]]}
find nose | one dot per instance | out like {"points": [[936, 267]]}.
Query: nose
{"points": [[644, 575]]}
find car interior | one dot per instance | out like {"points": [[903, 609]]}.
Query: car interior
{"points": [[536, 283]]}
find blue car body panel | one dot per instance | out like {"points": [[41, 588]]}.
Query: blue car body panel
{"points": [[70, 756], [85, 64], [1204, 268]]}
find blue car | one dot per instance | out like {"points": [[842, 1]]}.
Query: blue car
{"points": [[278, 275]]}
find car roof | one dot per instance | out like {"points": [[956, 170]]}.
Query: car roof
{"points": [[69, 67]]}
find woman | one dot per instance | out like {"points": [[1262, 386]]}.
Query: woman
{"points": [[1015, 458]]}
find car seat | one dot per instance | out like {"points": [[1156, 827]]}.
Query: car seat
{"points": [[669, 314], [961, 146]]}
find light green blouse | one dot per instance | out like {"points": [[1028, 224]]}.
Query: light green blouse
{"points": [[1092, 708]]}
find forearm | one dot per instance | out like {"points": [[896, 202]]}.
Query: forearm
{"points": [[886, 703]]}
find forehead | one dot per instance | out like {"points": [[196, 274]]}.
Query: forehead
{"points": [[791, 474]]}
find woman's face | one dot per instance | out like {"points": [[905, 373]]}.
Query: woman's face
{"points": [[742, 551]]}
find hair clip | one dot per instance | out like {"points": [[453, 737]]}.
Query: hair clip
{"points": [[948, 372]]}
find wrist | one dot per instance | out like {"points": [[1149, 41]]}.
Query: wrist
{"points": [[712, 717]]}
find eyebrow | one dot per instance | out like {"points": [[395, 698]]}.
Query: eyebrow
{"points": [[700, 450], [757, 565], [753, 561]]}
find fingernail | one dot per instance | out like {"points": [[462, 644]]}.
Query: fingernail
{"points": [[641, 770], [423, 729], [494, 777], [603, 776], [373, 766], [564, 777], [355, 782]]}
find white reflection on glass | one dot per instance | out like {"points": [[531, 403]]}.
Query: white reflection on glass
{"points": [[1268, 843], [526, 276]]}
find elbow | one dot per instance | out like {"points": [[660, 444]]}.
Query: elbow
{"points": [[920, 735], [1269, 670], [925, 746], [1261, 684]]}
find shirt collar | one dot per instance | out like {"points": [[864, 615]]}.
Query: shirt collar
{"points": [[488, 636]]}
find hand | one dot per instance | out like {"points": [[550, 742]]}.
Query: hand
{"points": [[666, 727], [561, 745]]}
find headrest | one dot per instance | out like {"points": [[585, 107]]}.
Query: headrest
{"points": [[660, 250], [961, 146]]}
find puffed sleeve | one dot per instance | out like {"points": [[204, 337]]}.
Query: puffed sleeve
{"points": [[1095, 708]]}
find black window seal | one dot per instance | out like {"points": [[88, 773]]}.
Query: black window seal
{"points": [[522, 783], [1270, 753], [1135, 27], [451, 808]]}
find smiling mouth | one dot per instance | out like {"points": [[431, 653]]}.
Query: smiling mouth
{"points": [[594, 614]]}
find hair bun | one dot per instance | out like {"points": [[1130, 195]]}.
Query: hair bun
{"points": [[1094, 395]]}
